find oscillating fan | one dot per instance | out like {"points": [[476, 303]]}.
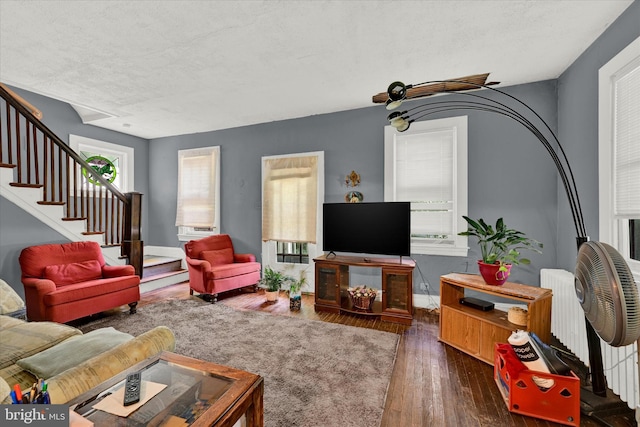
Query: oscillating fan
{"points": [[607, 293]]}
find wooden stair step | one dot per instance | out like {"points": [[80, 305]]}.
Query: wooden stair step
{"points": [[156, 265], [74, 219], [7, 165], [25, 185], [51, 203], [90, 233], [147, 278]]}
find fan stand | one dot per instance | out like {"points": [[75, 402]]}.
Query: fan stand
{"points": [[596, 401]]}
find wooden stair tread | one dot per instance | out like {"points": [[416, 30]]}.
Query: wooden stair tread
{"points": [[151, 260], [74, 219], [42, 202], [25, 185], [89, 233], [7, 165], [161, 275]]}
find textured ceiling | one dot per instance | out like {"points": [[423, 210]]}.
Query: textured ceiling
{"points": [[160, 68]]}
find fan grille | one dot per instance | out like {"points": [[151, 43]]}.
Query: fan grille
{"points": [[607, 293]]}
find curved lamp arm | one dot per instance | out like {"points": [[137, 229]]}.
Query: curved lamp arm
{"points": [[402, 120]]}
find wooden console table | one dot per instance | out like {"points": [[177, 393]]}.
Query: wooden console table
{"points": [[332, 282], [475, 331]]}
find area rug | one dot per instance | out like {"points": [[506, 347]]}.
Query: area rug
{"points": [[315, 373]]}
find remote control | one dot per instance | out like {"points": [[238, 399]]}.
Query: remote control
{"points": [[132, 389]]}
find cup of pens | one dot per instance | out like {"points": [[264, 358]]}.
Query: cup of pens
{"points": [[37, 394]]}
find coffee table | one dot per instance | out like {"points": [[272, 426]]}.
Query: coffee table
{"points": [[197, 393]]}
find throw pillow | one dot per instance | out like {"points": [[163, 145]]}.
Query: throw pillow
{"points": [[75, 272], [27, 338], [72, 352], [217, 257], [10, 301], [5, 390]]}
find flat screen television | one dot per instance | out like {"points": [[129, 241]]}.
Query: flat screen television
{"points": [[382, 228]]}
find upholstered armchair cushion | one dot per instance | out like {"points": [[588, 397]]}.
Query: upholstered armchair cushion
{"points": [[218, 256], [76, 272]]}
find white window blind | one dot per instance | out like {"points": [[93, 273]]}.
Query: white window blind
{"points": [[427, 166], [289, 205], [196, 187], [424, 177], [627, 142]]}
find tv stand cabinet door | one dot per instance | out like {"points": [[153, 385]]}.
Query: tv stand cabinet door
{"points": [[397, 294], [329, 277]]}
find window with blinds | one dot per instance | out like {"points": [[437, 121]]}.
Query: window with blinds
{"points": [[198, 192], [427, 166], [290, 198], [626, 136], [619, 154]]}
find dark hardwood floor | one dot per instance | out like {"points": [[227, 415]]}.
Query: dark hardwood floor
{"points": [[432, 384]]}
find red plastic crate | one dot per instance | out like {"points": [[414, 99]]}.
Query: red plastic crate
{"points": [[560, 403]]}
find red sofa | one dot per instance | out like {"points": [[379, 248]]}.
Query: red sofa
{"points": [[67, 281], [214, 267]]}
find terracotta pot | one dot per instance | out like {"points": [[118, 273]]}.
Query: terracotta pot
{"points": [[272, 296], [491, 273]]}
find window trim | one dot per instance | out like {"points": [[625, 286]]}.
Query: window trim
{"points": [[612, 230], [460, 186], [190, 233]]}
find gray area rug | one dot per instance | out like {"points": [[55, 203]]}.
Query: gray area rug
{"points": [[315, 373]]}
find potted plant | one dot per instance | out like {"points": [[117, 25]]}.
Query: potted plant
{"points": [[500, 247], [295, 291], [272, 282]]}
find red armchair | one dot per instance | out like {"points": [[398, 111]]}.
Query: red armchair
{"points": [[214, 267], [63, 282]]}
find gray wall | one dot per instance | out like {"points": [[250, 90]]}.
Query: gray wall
{"points": [[19, 230], [578, 127], [510, 175]]}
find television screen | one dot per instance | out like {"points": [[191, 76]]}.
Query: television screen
{"points": [[370, 228]]}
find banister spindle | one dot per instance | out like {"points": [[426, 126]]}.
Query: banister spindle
{"points": [[68, 185], [18, 150], [53, 169], [45, 163], [28, 128], [35, 154], [9, 136]]}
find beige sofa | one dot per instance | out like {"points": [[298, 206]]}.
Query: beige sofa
{"points": [[71, 362]]}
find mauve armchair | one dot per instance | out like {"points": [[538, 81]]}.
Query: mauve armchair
{"points": [[214, 267]]}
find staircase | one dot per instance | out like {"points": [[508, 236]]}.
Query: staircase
{"points": [[46, 178], [166, 267]]}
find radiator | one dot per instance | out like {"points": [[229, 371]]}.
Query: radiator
{"points": [[568, 326]]}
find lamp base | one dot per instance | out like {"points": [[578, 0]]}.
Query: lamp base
{"points": [[607, 410]]}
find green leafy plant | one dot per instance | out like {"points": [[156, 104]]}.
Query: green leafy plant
{"points": [[500, 244], [295, 286], [272, 280]]}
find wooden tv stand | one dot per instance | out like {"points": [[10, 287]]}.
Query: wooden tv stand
{"points": [[332, 282], [475, 331]]}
